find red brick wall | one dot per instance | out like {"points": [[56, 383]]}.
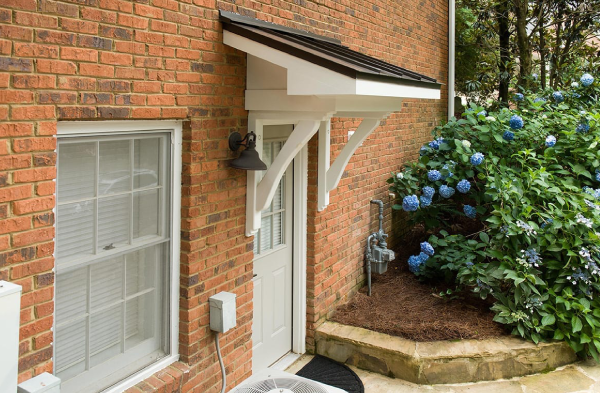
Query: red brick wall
{"points": [[164, 59]]}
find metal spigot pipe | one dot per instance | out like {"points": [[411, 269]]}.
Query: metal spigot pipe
{"points": [[380, 203]]}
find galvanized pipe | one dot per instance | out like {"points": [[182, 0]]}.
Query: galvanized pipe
{"points": [[369, 257], [380, 203]]}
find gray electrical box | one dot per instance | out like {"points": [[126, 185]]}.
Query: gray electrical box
{"points": [[222, 311], [43, 383]]}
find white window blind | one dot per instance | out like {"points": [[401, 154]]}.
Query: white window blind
{"points": [[112, 249], [270, 235]]}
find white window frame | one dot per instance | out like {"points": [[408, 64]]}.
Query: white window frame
{"points": [[100, 128]]}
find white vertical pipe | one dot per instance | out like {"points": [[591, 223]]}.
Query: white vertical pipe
{"points": [[451, 55], [10, 306]]}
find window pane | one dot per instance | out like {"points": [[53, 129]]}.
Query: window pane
{"points": [[278, 197], [139, 319], [145, 213], [146, 154], [105, 334], [265, 234], [115, 174], [71, 295], [266, 154], [277, 229], [75, 229], [107, 282], [141, 268], [76, 177], [113, 221], [69, 359]]}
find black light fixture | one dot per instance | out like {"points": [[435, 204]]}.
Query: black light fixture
{"points": [[248, 159]]}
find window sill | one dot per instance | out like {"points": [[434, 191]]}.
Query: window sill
{"points": [[166, 375]]}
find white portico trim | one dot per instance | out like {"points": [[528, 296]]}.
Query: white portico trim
{"points": [[299, 78]]}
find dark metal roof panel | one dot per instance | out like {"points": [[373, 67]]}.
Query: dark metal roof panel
{"points": [[323, 51]]}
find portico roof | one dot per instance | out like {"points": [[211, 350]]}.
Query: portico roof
{"points": [[297, 77], [321, 65]]}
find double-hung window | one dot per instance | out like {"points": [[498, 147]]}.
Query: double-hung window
{"points": [[114, 255]]}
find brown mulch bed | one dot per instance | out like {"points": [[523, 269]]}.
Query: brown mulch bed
{"points": [[402, 306]]}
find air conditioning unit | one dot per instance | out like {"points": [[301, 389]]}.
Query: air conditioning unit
{"points": [[275, 381]]}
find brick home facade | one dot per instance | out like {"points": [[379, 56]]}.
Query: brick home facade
{"points": [[98, 60]]}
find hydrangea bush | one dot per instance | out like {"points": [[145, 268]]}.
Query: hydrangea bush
{"points": [[534, 194]]}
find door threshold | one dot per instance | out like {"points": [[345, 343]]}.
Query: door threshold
{"points": [[286, 361]]}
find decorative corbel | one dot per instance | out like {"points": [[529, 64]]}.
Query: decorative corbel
{"points": [[330, 175]]}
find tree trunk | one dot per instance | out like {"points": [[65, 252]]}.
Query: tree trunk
{"points": [[502, 12], [542, 55], [525, 52]]}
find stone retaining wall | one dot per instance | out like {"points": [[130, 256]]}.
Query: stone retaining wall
{"points": [[441, 361]]}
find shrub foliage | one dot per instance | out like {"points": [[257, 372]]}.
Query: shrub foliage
{"points": [[530, 176]]}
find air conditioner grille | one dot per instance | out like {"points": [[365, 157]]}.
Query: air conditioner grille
{"points": [[289, 385]]}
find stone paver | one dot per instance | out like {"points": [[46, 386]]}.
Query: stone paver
{"points": [[583, 377]]}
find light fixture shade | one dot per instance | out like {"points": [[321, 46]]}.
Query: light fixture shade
{"points": [[248, 159]]}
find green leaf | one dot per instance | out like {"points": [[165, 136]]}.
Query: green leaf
{"points": [[548, 320], [558, 335], [484, 237], [576, 324]]}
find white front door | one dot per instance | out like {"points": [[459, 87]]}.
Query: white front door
{"points": [[272, 324]]}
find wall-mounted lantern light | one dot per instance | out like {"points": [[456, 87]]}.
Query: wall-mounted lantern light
{"points": [[248, 159]]}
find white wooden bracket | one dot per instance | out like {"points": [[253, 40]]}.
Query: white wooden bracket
{"points": [[262, 190], [330, 175]]}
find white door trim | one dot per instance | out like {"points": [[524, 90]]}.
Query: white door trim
{"points": [[299, 252], [299, 264]]}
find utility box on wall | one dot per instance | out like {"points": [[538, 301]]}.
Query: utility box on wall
{"points": [[10, 307], [222, 312]]}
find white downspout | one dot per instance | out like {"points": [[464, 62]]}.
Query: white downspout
{"points": [[451, 52]]}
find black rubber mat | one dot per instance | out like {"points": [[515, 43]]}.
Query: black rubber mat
{"points": [[324, 370]]}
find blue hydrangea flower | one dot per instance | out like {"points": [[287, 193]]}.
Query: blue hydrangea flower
{"points": [[549, 221], [447, 168], [410, 203], [516, 122], [597, 174], [463, 186], [446, 191], [469, 110], [482, 113], [535, 76], [416, 261], [423, 151], [414, 264], [469, 264], [550, 140], [477, 158], [470, 211], [427, 248], [576, 95], [508, 136], [586, 80], [434, 144], [519, 97], [540, 99], [434, 175], [575, 84], [428, 192], [582, 128], [558, 97], [424, 201]]}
